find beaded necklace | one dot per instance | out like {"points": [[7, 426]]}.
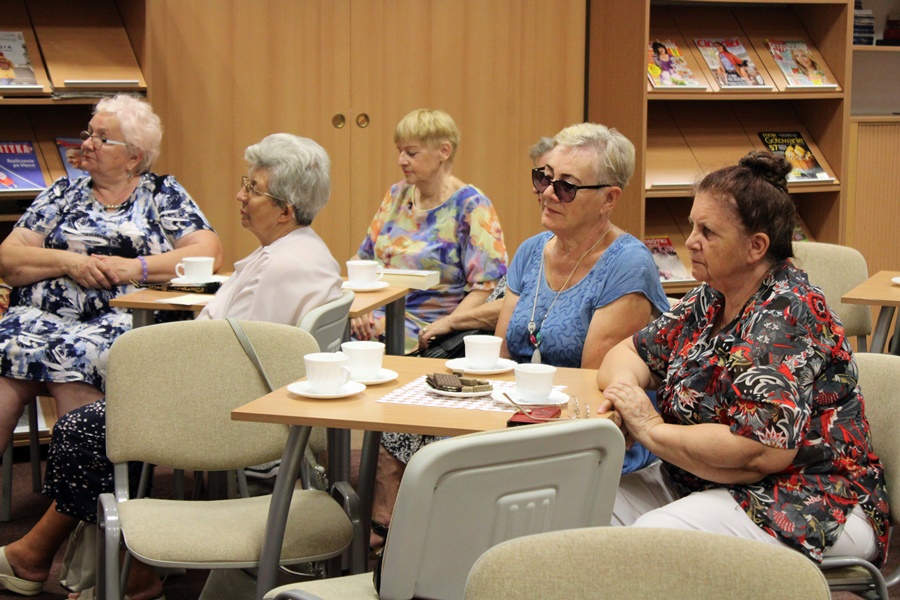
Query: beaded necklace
{"points": [[534, 330]]}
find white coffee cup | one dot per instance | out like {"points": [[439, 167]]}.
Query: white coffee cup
{"points": [[195, 268], [365, 359], [362, 272], [482, 351], [534, 382], [327, 372]]}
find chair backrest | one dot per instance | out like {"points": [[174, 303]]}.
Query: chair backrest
{"points": [[461, 496], [171, 388], [837, 270], [879, 380], [639, 563], [327, 323]]}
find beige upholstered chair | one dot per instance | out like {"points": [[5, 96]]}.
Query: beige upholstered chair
{"points": [[328, 323], [879, 380], [461, 496], [638, 563], [170, 391], [837, 270], [31, 411]]}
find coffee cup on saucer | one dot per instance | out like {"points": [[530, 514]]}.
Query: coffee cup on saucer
{"points": [[327, 372], [195, 268], [534, 382], [365, 359], [362, 273], [482, 351]]}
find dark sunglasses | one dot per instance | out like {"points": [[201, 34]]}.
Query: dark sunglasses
{"points": [[564, 190]]}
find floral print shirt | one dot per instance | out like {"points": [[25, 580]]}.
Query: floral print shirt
{"points": [[781, 373], [461, 239]]}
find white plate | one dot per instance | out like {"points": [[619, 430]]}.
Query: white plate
{"points": [[186, 281], [459, 394], [301, 388], [556, 398], [459, 364], [896, 280], [384, 375], [369, 287]]}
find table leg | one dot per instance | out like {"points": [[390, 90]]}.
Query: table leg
{"points": [[368, 462], [141, 317], [338, 455], [278, 509], [895, 343], [882, 327], [395, 327]]}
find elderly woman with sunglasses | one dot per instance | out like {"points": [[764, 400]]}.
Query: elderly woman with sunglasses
{"points": [[83, 242]]}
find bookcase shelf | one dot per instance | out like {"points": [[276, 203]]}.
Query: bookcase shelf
{"points": [[681, 135]]}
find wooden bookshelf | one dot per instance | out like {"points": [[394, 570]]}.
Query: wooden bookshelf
{"points": [[15, 18]]}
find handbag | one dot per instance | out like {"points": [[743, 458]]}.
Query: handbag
{"points": [[451, 345], [79, 565]]}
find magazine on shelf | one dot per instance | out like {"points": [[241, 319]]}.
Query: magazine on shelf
{"points": [[670, 266], [15, 66], [20, 170], [666, 67], [729, 63], [792, 146], [798, 65], [70, 154]]}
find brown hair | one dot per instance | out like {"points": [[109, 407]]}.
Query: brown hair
{"points": [[757, 188]]}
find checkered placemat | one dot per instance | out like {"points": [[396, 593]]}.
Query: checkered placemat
{"points": [[417, 392]]}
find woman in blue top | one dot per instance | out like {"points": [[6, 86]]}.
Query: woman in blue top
{"points": [[580, 288]]}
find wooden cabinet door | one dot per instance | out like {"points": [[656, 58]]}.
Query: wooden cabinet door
{"points": [[507, 71]]}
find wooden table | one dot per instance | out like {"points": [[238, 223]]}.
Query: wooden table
{"points": [[363, 412], [143, 303], [878, 290]]}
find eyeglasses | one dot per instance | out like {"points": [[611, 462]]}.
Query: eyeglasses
{"points": [[564, 190], [97, 141], [247, 186]]}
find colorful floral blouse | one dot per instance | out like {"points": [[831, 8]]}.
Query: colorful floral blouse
{"points": [[782, 374], [461, 239]]}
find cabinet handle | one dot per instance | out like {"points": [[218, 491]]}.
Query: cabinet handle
{"points": [[338, 121], [362, 120]]}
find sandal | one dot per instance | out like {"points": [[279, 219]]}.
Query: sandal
{"points": [[9, 581], [381, 531]]}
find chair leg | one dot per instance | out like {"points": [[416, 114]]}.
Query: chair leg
{"points": [[6, 500], [108, 541], [35, 444]]}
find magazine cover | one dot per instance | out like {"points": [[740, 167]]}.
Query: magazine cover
{"points": [[670, 266], [729, 62], [798, 65], [70, 153], [19, 168], [666, 66], [15, 68], [792, 146]]}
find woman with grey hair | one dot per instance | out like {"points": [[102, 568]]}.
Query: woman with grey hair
{"points": [[290, 273], [81, 243]]}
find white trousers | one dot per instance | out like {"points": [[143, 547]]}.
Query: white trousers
{"points": [[645, 499]]}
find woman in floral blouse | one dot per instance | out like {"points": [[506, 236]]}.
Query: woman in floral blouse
{"points": [[759, 407]]}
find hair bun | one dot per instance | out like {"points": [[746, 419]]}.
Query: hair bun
{"points": [[773, 169]]}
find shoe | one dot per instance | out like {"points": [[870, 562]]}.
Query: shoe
{"points": [[9, 581], [88, 594]]}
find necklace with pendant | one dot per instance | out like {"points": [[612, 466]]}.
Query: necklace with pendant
{"points": [[534, 330]]}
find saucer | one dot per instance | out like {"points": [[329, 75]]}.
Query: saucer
{"points": [[895, 280], [186, 281], [459, 394], [301, 388], [459, 364], [556, 398], [384, 375], [365, 287]]}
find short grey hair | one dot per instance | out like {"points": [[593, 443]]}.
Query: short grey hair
{"points": [[299, 172], [540, 148], [615, 153], [141, 127]]}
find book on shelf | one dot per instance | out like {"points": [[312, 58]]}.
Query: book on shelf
{"points": [[20, 170], [728, 61], [666, 67], [798, 65], [70, 154], [792, 146], [15, 66], [670, 266]]}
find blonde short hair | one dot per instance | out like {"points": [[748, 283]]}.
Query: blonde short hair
{"points": [[615, 153], [431, 126]]}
